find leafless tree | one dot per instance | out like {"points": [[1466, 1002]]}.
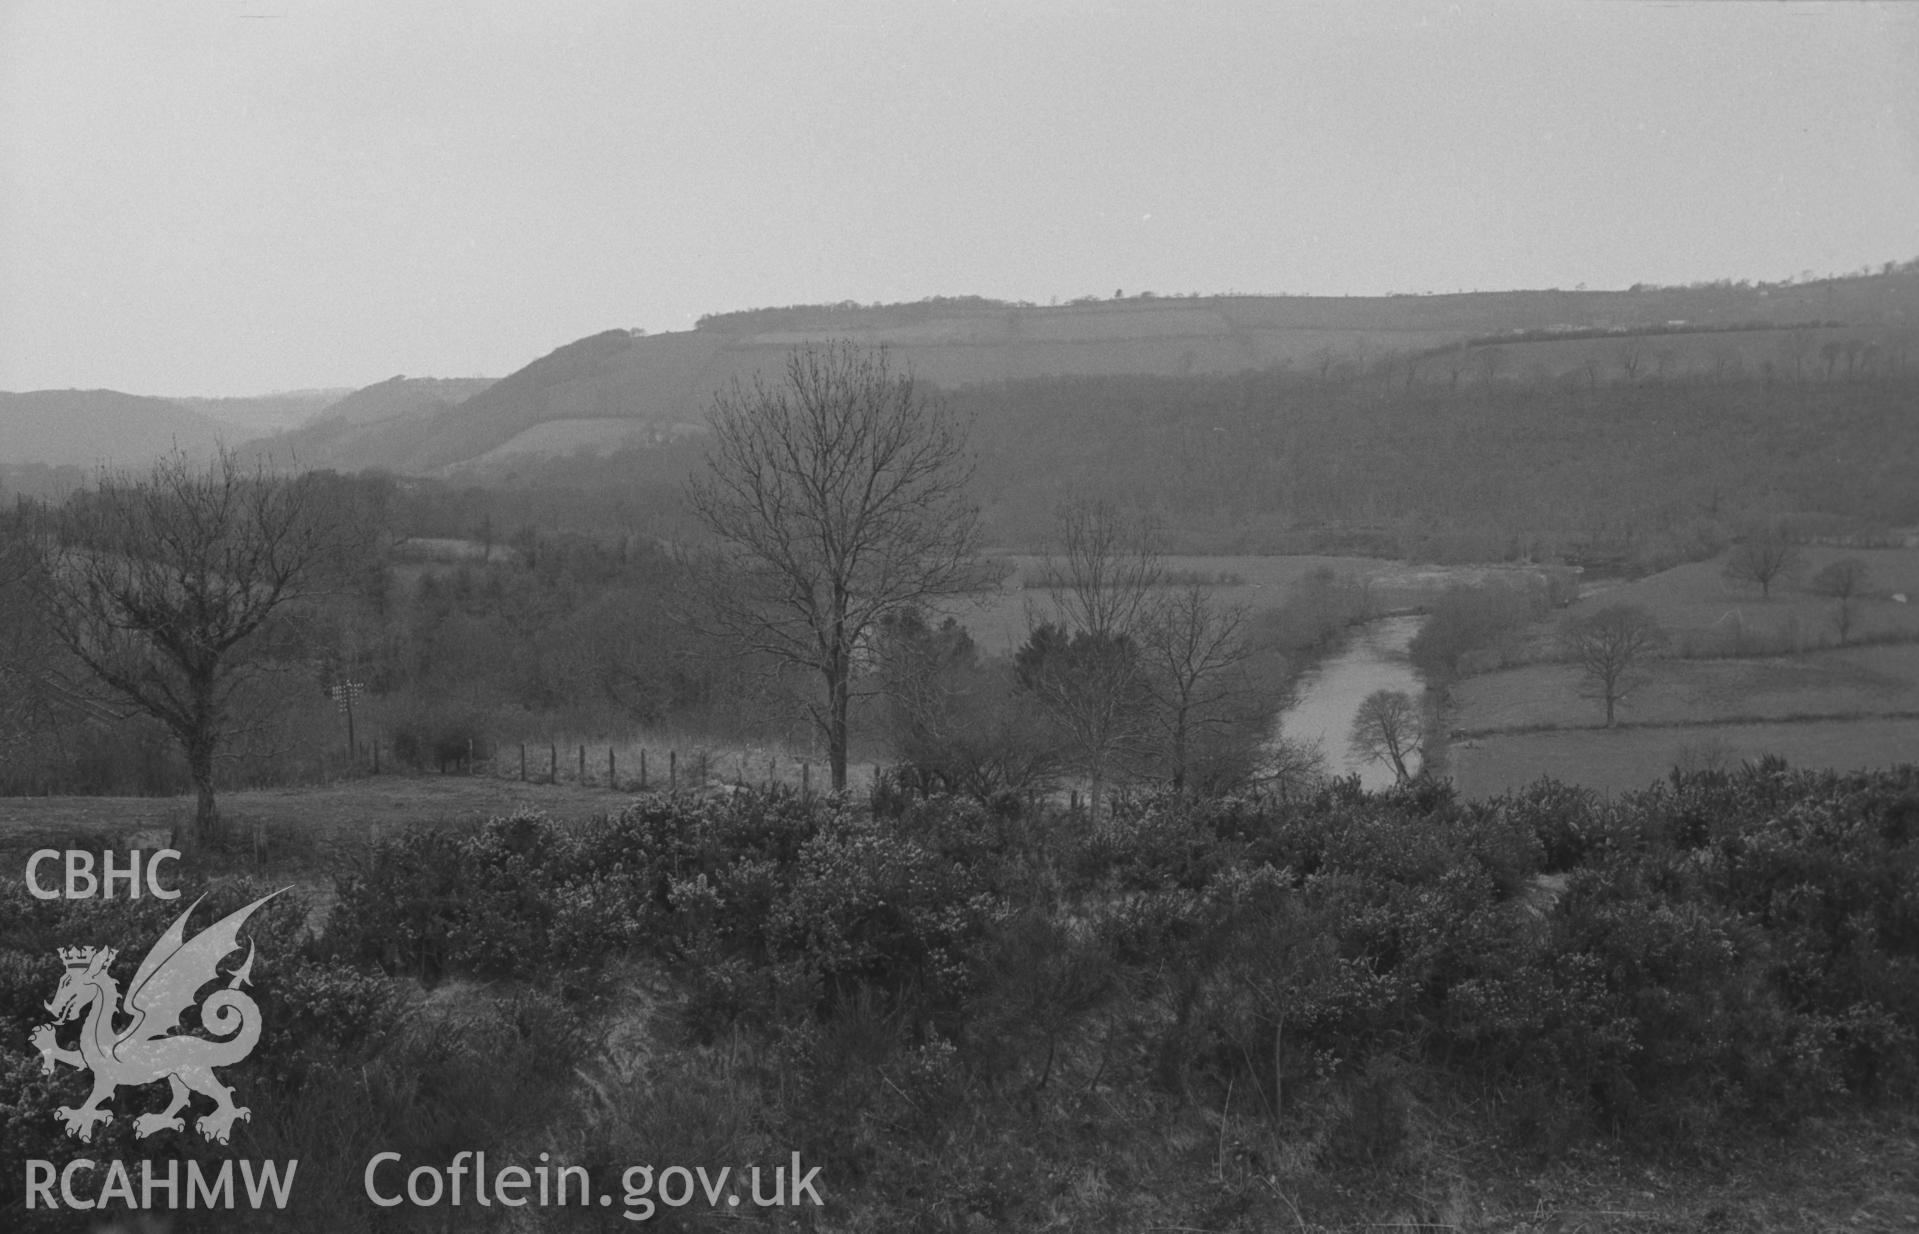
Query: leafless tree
{"points": [[1631, 354], [41, 694], [36, 696], [1796, 347], [1292, 768], [1085, 662], [160, 584], [1106, 566], [1387, 729], [1610, 648], [1845, 581], [1195, 650], [1093, 690], [1762, 558], [1829, 353], [835, 495]]}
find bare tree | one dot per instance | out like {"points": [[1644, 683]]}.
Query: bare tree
{"points": [[836, 495], [1796, 347], [1093, 688], [1195, 651], [1762, 558], [37, 696], [1610, 648], [44, 694], [161, 584], [1631, 355], [1102, 578], [1085, 664], [1387, 729], [1292, 767], [1845, 581]]}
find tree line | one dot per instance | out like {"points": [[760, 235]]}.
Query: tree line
{"points": [[836, 509], [222, 609]]}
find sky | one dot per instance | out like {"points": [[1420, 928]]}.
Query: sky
{"points": [[230, 197]]}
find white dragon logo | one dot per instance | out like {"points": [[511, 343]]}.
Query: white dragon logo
{"points": [[147, 1049]]}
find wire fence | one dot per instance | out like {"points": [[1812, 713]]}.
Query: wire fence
{"points": [[618, 767]]}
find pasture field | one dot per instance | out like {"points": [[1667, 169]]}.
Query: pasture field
{"points": [[1698, 597], [1623, 759], [1848, 682], [1827, 706]]}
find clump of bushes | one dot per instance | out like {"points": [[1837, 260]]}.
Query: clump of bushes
{"points": [[436, 737], [942, 1001], [1727, 945], [1472, 628]]}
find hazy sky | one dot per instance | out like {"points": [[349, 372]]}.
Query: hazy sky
{"points": [[238, 196]]}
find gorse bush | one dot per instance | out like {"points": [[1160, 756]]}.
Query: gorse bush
{"points": [[940, 1000], [1725, 945]]}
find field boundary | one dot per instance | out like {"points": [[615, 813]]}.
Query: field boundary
{"points": [[1516, 730]]}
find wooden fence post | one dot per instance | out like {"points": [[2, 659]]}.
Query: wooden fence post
{"points": [[582, 766], [672, 771], [552, 762], [806, 779], [523, 762], [612, 782], [642, 769]]}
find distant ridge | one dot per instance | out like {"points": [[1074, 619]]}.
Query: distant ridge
{"points": [[366, 428], [620, 388]]}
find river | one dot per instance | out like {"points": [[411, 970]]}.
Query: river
{"points": [[1327, 696]]}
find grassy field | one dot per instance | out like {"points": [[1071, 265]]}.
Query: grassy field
{"points": [[1844, 707], [1618, 759], [1855, 681], [1698, 597]]}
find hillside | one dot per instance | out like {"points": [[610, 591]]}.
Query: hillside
{"points": [[402, 396], [622, 388], [267, 413], [84, 428], [363, 429]]}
